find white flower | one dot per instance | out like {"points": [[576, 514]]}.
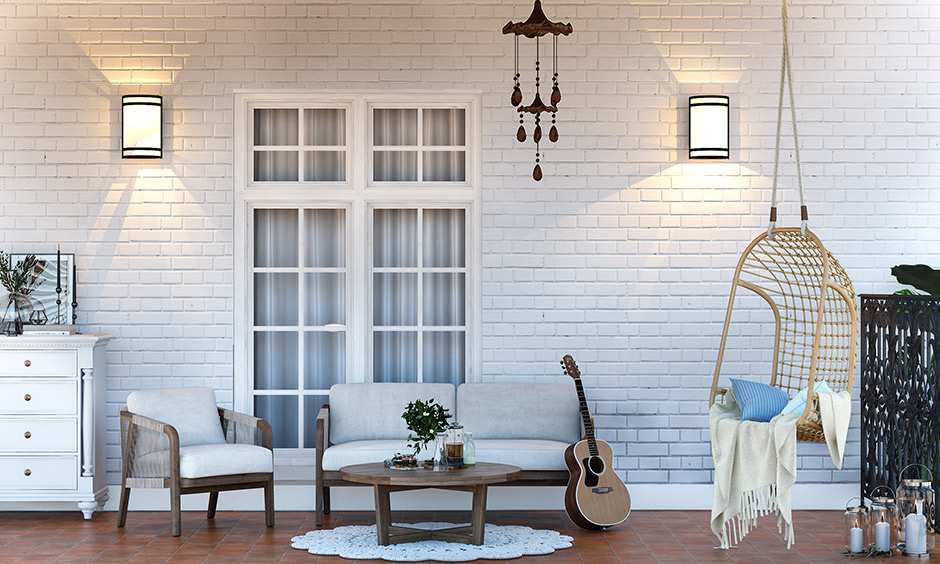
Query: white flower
{"points": [[426, 414]]}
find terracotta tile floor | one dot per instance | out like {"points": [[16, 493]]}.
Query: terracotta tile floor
{"points": [[234, 537]]}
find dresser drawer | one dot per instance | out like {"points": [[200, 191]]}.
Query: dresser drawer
{"points": [[38, 435], [33, 362], [39, 472], [39, 397]]}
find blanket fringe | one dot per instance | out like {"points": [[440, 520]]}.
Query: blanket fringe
{"points": [[754, 504]]}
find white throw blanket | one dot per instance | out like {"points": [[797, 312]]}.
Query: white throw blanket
{"points": [[755, 464]]}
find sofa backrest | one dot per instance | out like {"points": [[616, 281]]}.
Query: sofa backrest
{"points": [[372, 411], [520, 410]]}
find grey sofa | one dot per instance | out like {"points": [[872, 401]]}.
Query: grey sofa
{"points": [[528, 425]]}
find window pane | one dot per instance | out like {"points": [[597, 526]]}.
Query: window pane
{"points": [[445, 243], [395, 299], [445, 166], [276, 166], [325, 126], [276, 126], [325, 166], [444, 357], [275, 360], [445, 126], [325, 244], [395, 356], [276, 238], [325, 296], [275, 298], [312, 405], [395, 127], [325, 360], [395, 238], [395, 166], [444, 301], [281, 413]]}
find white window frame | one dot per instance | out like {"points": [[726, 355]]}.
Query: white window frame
{"points": [[359, 195]]}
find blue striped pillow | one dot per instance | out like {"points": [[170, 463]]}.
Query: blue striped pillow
{"points": [[759, 402]]}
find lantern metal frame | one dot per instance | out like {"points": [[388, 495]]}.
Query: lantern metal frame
{"points": [[884, 509], [137, 151], [856, 516], [710, 101]]}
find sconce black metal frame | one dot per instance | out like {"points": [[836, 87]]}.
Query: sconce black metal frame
{"points": [[138, 152]]}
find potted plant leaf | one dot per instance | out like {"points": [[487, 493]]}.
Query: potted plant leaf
{"points": [[425, 419]]}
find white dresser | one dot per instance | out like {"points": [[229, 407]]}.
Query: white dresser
{"points": [[52, 422]]}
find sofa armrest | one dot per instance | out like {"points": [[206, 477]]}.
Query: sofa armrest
{"points": [[235, 427]]}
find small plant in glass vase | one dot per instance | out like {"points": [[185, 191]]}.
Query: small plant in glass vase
{"points": [[425, 419], [19, 280]]}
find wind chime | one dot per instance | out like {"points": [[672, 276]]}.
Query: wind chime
{"points": [[536, 26]]}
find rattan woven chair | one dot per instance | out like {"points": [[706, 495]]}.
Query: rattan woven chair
{"points": [[815, 312]]}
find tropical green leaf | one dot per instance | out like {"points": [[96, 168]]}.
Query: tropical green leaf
{"points": [[919, 276]]}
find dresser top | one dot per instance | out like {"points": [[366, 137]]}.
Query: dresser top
{"points": [[36, 341]]}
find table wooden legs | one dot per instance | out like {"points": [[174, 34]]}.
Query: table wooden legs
{"points": [[388, 534]]}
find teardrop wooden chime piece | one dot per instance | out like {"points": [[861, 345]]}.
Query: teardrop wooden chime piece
{"points": [[520, 134], [553, 134], [537, 173], [537, 134], [556, 96], [516, 98]]}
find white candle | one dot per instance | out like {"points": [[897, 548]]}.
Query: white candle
{"points": [[855, 540], [915, 534], [883, 536]]}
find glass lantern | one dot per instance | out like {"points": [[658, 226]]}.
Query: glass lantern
{"points": [[914, 498], [856, 525], [884, 516], [454, 453]]}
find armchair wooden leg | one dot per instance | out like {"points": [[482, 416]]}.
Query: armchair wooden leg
{"points": [[175, 509], [269, 502], [318, 491], [213, 502], [326, 500], [122, 510]]}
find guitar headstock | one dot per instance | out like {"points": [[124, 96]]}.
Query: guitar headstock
{"points": [[571, 368]]}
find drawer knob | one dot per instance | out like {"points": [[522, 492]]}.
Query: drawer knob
{"points": [[28, 363], [27, 472], [27, 397], [27, 434]]}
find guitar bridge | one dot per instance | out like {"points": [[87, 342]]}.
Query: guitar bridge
{"points": [[603, 490]]}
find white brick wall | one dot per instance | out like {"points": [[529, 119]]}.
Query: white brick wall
{"points": [[622, 256]]}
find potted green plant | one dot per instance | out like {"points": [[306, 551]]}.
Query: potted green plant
{"points": [[424, 419], [19, 280]]}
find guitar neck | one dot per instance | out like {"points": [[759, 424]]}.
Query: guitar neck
{"points": [[586, 418]]}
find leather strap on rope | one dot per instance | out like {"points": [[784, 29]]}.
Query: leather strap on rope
{"points": [[786, 76]]}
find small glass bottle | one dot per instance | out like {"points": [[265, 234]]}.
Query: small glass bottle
{"points": [[439, 449], [469, 449]]}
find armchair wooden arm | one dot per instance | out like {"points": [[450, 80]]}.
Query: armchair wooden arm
{"points": [[322, 443]]}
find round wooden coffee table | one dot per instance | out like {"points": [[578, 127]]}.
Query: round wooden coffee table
{"points": [[471, 479]]}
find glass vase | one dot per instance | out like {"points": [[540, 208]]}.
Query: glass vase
{"points": [[17, 312]]}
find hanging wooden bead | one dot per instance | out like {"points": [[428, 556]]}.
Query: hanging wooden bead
{"points": [[516, 98], [553, 134], [556, 94], [537, 173], [520, 134], [537, 134]]}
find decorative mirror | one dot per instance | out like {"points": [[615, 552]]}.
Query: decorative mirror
{"points": [[53, 300]]}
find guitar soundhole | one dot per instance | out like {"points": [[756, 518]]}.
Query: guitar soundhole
{"points": [[596, 464], [593, 467]]}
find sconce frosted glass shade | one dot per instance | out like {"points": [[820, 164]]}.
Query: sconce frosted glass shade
{"points": [[142, 127], [708, 127]]}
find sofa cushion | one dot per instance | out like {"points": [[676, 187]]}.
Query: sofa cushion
{"points": [[191, 411], [360, 452], [373, 411], [523, 410], [200, 461], [528, 454]]}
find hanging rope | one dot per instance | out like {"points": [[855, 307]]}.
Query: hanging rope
{"points": [[786, 75]]}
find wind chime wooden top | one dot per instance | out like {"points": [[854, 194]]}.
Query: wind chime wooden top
{"points": [[535, 27]]}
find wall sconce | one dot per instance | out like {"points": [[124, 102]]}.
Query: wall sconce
{"points": [[709, 136], [142, 123]]}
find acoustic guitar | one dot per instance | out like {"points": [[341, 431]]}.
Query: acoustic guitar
{"points": [[595, 498]]}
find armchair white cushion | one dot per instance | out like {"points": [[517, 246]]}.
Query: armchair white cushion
{"points": [[191, 411]]}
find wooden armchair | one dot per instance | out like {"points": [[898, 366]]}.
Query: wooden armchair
{"points": [[179, 439]]}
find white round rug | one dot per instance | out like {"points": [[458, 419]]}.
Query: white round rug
{"points": [[501, 542]]}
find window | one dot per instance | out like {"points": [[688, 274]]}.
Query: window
{"points": [[348, 269]]}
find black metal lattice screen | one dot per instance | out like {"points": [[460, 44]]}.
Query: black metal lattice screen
{"points": [[900, 391]]}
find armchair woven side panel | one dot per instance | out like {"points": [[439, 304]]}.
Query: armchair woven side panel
{"points": [[145, 447], [242, 429]]}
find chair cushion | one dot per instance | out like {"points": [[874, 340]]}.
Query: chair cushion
{"points": [[199, 461], [370, 411], [798, 403], [520, 410], [526, 454], [191, 411], [758, 401]]}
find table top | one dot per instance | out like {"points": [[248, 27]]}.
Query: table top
{"points": [[477, 474]]}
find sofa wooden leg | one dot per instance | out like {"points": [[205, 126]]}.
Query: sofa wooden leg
{"points": [[122, 510], [269, 503], [175, 510], [213, 503]]}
